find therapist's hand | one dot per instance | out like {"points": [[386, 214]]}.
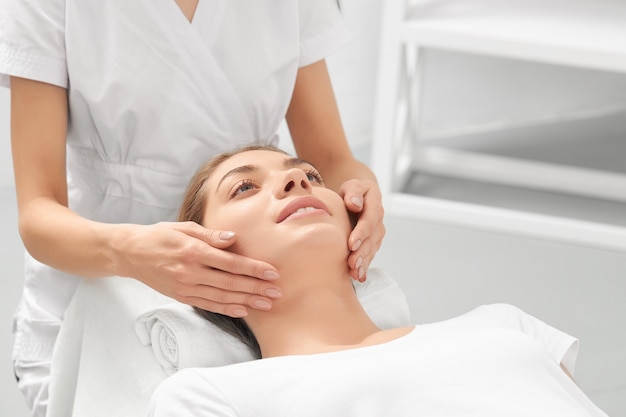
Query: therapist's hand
{"points": [[364, 198], [187, 262]]}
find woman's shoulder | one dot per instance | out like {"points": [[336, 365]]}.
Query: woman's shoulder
{"points": [[499, 315], [498, 310]]}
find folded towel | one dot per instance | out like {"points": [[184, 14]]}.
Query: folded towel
{"points": [[181, 338]]}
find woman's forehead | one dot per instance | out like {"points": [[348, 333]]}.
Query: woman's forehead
{"points": [[256, 158], [259, 157]]}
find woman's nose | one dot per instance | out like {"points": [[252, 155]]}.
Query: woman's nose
{"points": [[294, 180]]}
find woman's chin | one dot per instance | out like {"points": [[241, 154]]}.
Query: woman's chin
{"points": [[327, 237], [320, 243]]}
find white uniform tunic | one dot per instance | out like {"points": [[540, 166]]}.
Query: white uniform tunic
{"points": [[494, 361], [151, 97]]}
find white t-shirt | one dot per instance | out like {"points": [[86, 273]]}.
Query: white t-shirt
{"points": [[152, 96], [491, 362]]}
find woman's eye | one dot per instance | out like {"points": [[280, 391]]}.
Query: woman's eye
{"points": [[314, 176], [245, 185]]}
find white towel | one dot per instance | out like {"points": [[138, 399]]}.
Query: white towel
{"points": [[181, 338]]}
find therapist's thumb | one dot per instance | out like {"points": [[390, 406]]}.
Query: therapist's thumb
{"points": [[220, 239]]}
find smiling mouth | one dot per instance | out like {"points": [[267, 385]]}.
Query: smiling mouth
{"points": [[302, 207], [304, 211]]}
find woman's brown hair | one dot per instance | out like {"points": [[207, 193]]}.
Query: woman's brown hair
{"points": [[192, 209]]}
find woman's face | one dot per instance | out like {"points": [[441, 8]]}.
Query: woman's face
{"points": [[276, 204]]}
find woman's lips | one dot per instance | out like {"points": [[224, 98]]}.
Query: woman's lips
{"points": [[304, 206]]}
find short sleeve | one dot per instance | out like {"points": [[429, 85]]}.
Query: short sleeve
{"points": [[188, 394], [322, 30], [32, 41], [562, 347]]}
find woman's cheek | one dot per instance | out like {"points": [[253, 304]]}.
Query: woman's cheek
{"points": [[235, 217]]}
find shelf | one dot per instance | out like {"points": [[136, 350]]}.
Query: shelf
{"points": [[507, 221], [582, 156], [587, 34], [506, 180], [494, 198]]}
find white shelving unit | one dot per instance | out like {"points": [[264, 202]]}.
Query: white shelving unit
{"points": [[587, 34]]}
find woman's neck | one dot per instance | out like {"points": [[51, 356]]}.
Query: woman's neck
{"points": [[319, 312]]}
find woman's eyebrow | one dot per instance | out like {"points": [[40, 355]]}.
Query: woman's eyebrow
{"points": [[238, 170], [296, 162]]}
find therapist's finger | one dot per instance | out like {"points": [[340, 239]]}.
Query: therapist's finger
{"points": [[221, 239], [368, 228], [231, 310], [227, 293], [239, 265], [365, 239], [369, 220], [360, 260], [353, 196]]}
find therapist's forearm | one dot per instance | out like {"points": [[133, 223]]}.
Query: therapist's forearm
{"points": [[58, 237], [316, 128]]}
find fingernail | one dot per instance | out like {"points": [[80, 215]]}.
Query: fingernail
{"points": [[274, 293], [262, 304], [356, 245], [358, 201], [227, 235], [269, 274], [240, 313], [361, 273], [359, 262]]}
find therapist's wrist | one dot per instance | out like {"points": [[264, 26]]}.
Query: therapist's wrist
{"points": [[116, 241]]}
